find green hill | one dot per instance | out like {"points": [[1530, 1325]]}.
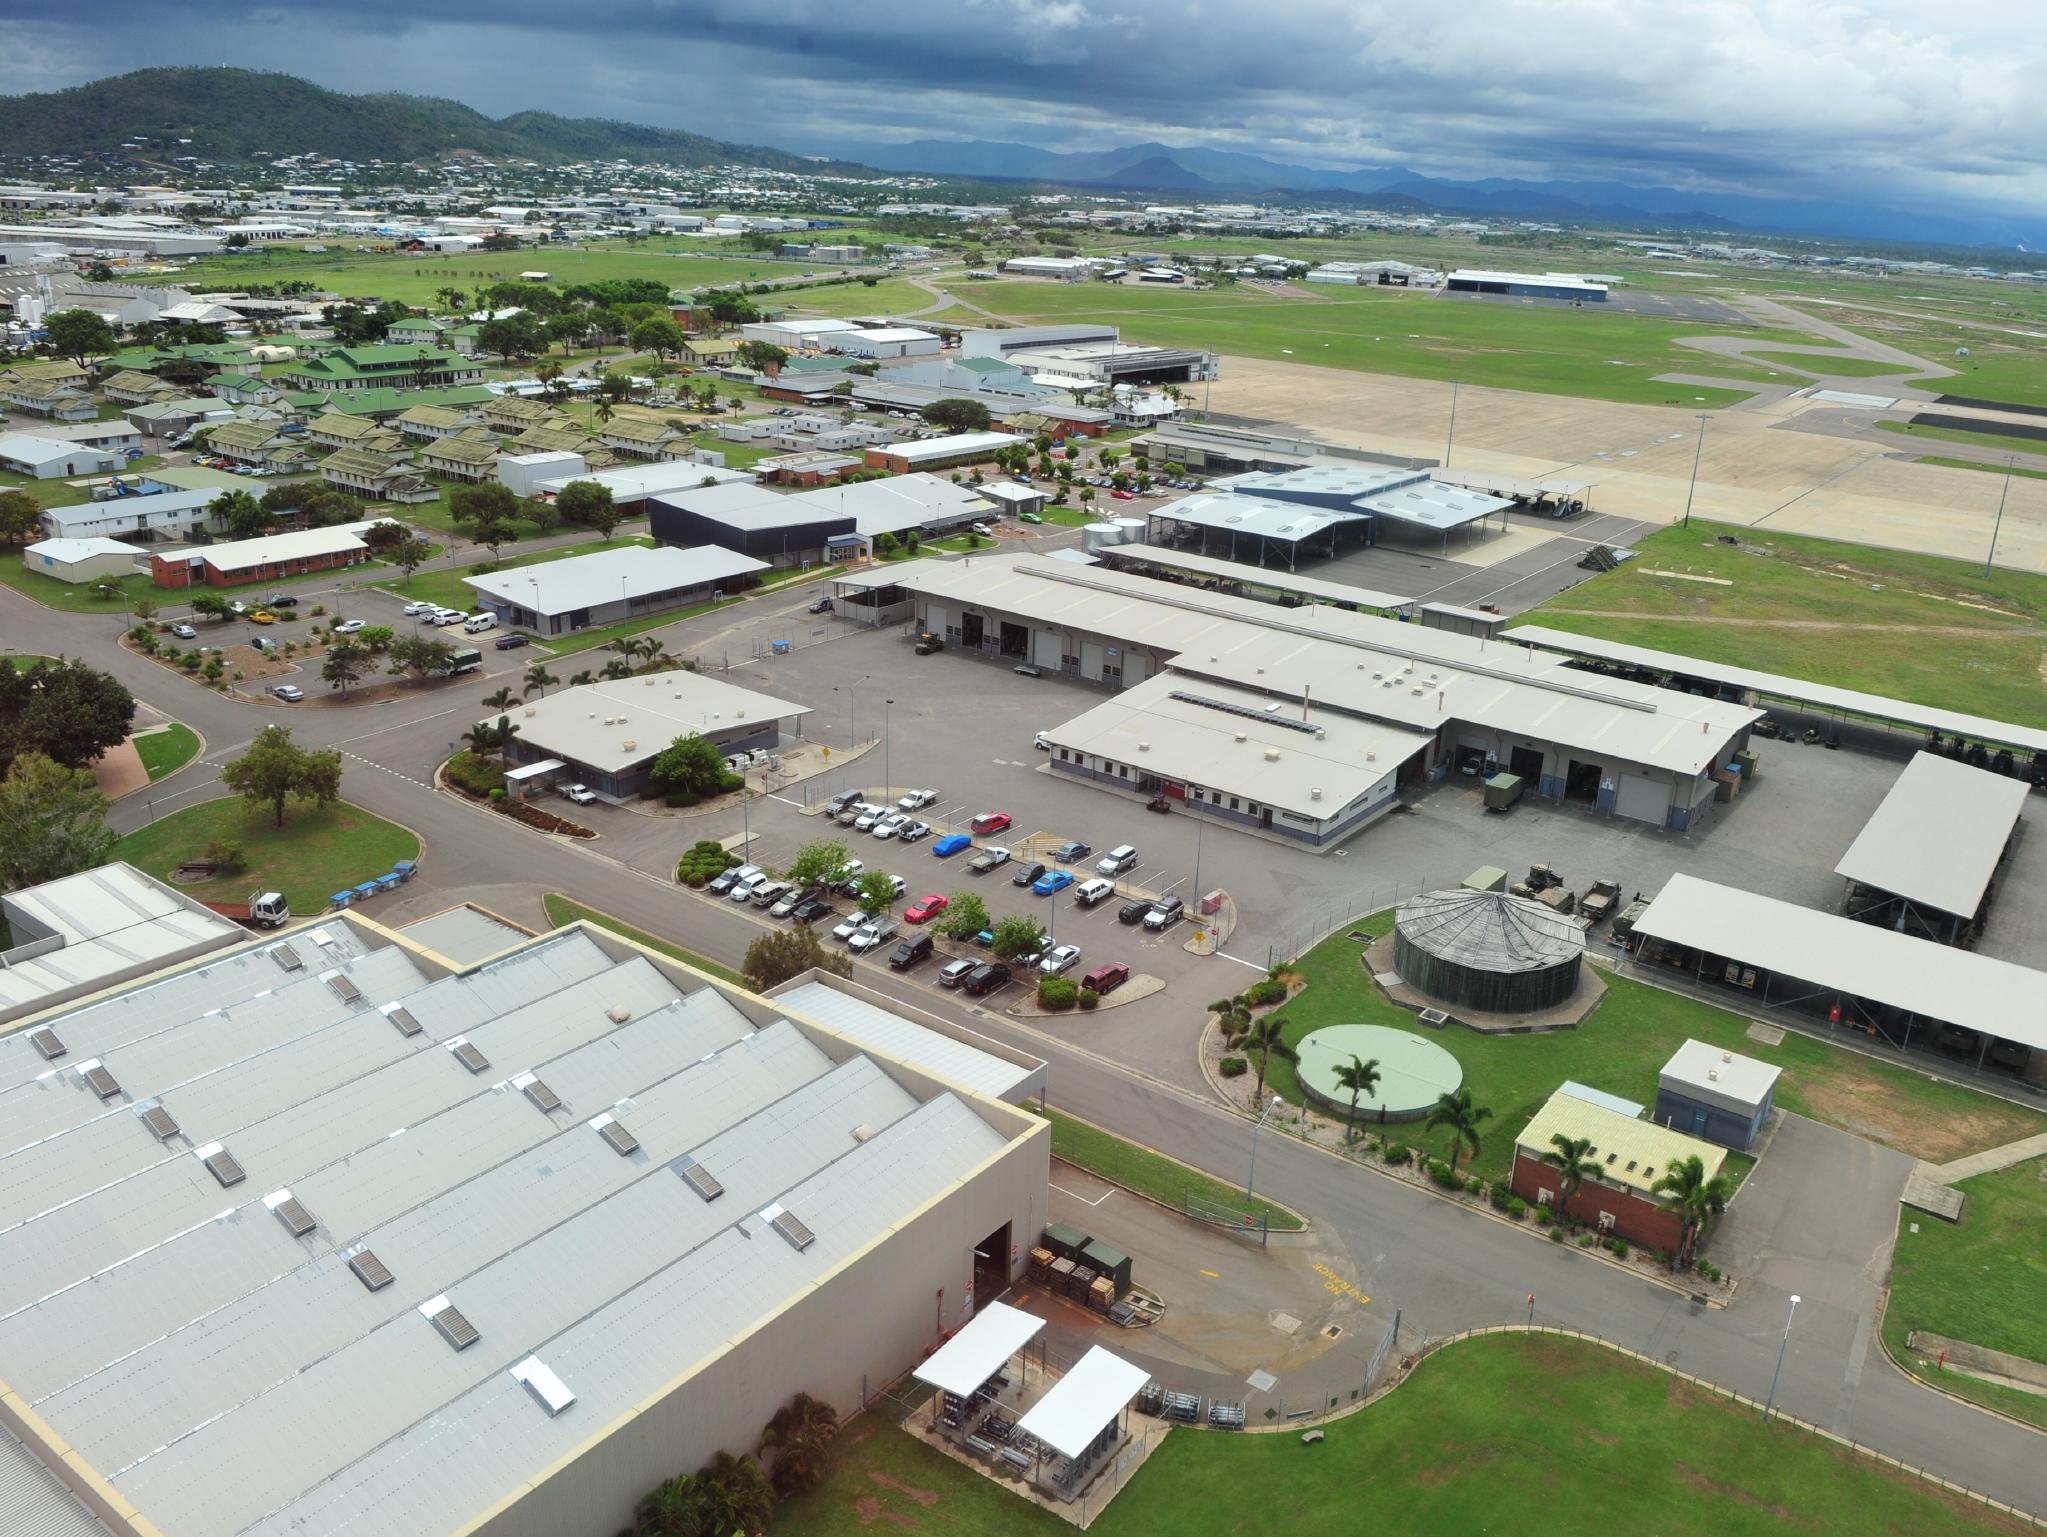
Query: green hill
{"points": [[237, 116]]}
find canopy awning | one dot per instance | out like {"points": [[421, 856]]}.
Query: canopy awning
{"points": [[979, 1350], [1084, 1401], [534, 770]]}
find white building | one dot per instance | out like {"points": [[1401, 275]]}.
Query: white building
{"points": [[81, 560], [167, 515], [884, 342], [796, 335], [560, 597], [42, 458]]}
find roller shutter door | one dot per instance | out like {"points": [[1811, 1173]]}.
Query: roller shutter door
{"points": [[1047, 648], [1645, 800], [1136, 668], [1091, 659]]}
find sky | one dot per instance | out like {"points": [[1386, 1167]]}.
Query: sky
{"points": [[1927, 106]]}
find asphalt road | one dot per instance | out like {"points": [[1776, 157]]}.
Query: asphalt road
{"points": [[1445, 1267]]}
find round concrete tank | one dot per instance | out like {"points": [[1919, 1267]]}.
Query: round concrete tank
{"points": [[1487, 950]]}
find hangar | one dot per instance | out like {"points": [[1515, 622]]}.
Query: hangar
{"points": [[832, 522], [1526, 285], [1320, 510]]}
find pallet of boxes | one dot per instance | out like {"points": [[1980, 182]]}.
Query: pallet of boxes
{"points": [[1068, 1263]]}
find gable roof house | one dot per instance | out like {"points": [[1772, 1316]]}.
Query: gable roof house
{"points": [[336, 429], [515, 413], [424, 423], [565, 439], [377, 473], [132, 387], [416, 331], [245, 389], [644, 438], [257, 443], [362, 368], [51, 398], [471, 454], [50, 371]]}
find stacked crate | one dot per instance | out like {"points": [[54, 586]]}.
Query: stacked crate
{"points": [[1079, 1282], [1060, 1276], [1102, 1295], [1041, 1265]]}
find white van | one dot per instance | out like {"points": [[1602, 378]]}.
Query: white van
{"points": [[1117, 860], [476, 624]]}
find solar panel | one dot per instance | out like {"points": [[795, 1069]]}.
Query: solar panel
{"points": [[620, 1139], [224, 1168], [698, 1178], [344, 989], [286, 957], [45, 1041], [161, 1122], [455, 1329], [471, 1058], [542, 1096], [402, 1018], [370, 1270], [296, 1219], [799, 1236], [102, 1082]]}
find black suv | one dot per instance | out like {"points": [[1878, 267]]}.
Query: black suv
{"points": [[912, 950], [1029, 874], [983, 980], [1133, 912], [281, 600]]}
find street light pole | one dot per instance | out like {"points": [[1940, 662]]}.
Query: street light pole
{"points": [[1452, 437], [1782, 1345], [1697, 453], [2010, 460], [1251, 1180], [886, 782]]}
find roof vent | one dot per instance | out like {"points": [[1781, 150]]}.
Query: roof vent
{"points": [[221, 1164], [548, 1390], [543, 1098], [446, 1317], [862, 1132], [99, 1080], [401, 1016], [698, 1178], [286, 957], [630, 744], [161, 1123], [1239, 737], [296, 1219], [45, 1041], [1272, 755], [1726, 1056], [1712, 1075], [467, 1054], [622, 1141], [1314, 792], [344, 989], [1144, 747], [787, 1224], [618, 1013], [371, 1271]]}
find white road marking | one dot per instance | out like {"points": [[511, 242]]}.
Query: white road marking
{"points": [[1082, 1199], [1225, 955]]}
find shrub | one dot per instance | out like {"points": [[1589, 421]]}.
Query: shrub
{"points": [[1398, 1153], [1089, 998], [1057, 993], [1618, 1246], [1556, 1235], [683, 798], [1517, 1208], [189, 661], [1233, 1067], [1586, 1240], [1473, 1185], [1260, 995], [319, 610], [1498, 1196], [1441, 1174], [470, 773], [142, 635], [1221, 1006], [1544, 1217], [228, 856], [498, 794]]}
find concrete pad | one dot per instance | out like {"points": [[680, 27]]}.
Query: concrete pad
{"points": [[1925, 1191], [119, 770]]}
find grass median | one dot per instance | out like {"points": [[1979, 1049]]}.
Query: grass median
{"points": [[1542, 1437], [1165, 1180], [318, 851], [561, 910], [164, 752]]}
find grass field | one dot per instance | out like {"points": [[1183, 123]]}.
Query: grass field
{"points": [[889, 296], [1982, 468], [1149, 1173], [561, 909], [1536, 1436], [1620, 1047], [1981, 1280], [73, 598], [1940, 632], [318, 851], [165, 752], [1842, 365], [1998, 365], [48, 493], [1608, 355], [447, 588], [2004, 443], [25, 661]]}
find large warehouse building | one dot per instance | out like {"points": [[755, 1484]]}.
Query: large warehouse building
{"points": [[1319, 511], [606, 587], [832, 523], [1446, 703], [1567, 286], [332, 1235]]}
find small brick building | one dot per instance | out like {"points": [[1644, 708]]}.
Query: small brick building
{"points": [[1632, 1155]]}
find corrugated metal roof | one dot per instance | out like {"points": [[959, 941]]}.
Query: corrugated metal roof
{"points": [[874, 1028], [465, 934], [609, 576], [1939, 834], [1630, 1153], [34, 1503]]}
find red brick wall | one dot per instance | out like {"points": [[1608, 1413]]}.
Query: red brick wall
{"points": [[1642, 1221], [271, 573], [169, 573]]}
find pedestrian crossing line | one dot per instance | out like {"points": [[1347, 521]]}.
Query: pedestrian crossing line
{"points": [[380, 768]]}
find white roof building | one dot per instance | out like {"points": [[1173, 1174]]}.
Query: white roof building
{"points": [[1718, 1076], [632, 484], [1939, 835], [45, 458], [629, 573], [617, 725]]}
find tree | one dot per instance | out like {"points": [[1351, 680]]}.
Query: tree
{"points": [[240, 513], [617, 668], [64, 710], [1018, 936], [276, 769], [540, 679], [775, 957], [409, 554], [486, 513], [485, 739], [377, 639], [762, 357], [820, 862], [965, 916], [675, 1509], [345, 663], [53, 823], [800, 1436], [1572, 1157], [79, 335], [1697, 1200], [957, 415], [420, 656], [583, 677], [1266, 1039], [588, 504], [545, 516], [690, 763], [874, 891], [512, 336], [21, 516], [659, 335], [210, 605], [736, 1494], [1456, 1113], [568, 331], [732, 309], [503, 699], [1360, 1078], [615, 387]]}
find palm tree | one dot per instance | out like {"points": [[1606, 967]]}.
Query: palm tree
{"points": [[1697, 1200], [1572, 1156], [503, 699], [1266, 1040], [604, 411], [1359, 1077], [736, 1495], [585, 676], [800, 1436], [484, 739], [538, 678], [1456, 1111], [618, 667], [675, 1509]]}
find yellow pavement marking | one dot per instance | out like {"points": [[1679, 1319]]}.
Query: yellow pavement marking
{"points": [[1212, 1275]]}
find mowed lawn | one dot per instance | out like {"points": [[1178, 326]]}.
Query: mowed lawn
{"points": [[165, 752], [1138, 1168], [1983, 1279], [1538, 1437], [1605, 354], [1912, 627], [1619, 1048], [317, 852]]}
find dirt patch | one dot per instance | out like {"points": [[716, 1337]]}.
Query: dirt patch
{"points": [[1874, 1110], [1697, 1480], [925, 1497]]}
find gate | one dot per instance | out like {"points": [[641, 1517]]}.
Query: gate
{"points": [[1232, 1219]]}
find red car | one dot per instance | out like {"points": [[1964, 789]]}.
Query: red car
{"points": [[1107, 977], [1123, 496], [990, 822], [925, 909]]}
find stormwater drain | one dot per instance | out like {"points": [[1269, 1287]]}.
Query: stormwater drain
{"points": [[1334, 1331]]}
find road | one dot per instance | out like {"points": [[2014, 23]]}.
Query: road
{"points": [[1447, 1268]]}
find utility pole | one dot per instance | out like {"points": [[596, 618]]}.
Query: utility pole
{"points": [[1782, 1345], [886, 782], [1697, 453], [2009, 461], [1452, 438]]}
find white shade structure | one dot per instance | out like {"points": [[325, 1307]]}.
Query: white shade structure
{"points": [[978, 1351], [1084, 1402]]}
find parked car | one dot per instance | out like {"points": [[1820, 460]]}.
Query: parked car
{"points": [[951, 844], [1117, 860], [840, 802], [511, 642], [786, 903], [1094, 891], [849, 874], [237, 606], [419, 606], [990, 822], [1029, 873], [988, 859], [280, 600], [952, 973], [1165, 912], [811, 909], [581, 794], [872, 936], [1030, 517], [1069, 851], [924, 909], [1042, 742], [348, 627], [1060, 958], [861, 816], [1051, 883], [769, 892], [262, 616], [849, 925], [1133, 912], [1123, 496], [725, 880], [1107, 977], [915, 832], [916, 800], [184, 632], [888, 825], [290, 693], [917, 947], [742, 890], [983, 980], [984, 530], [821, 606]]}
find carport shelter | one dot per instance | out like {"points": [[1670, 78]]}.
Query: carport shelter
{"points": [[1924, 862], [1903, 990], [1081, 1418], [966, 1367]]}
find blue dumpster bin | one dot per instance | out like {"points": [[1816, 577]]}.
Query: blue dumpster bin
{"points": [[366, 889], [389, 882], [780, 647], [342, 898], [405, 869]]}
